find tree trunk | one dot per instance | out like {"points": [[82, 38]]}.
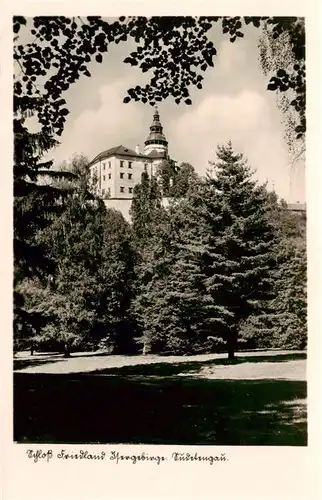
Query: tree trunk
{"points": [[232, 345], [66, 351], [146, 348], [231, 352]]}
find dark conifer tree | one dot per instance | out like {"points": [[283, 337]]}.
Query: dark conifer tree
{"points": [[178, 298], [146, 213], [210, 263], [238, 241], [171, 301]]}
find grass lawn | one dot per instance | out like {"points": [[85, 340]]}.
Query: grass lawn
{"points": [[163, 403]]}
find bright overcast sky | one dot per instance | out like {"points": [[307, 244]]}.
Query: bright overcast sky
{"points": [[233, 105]]}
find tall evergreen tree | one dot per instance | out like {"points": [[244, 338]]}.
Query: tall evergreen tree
{"points": [[147, 216], [238, 239], [175, 297], [210, 263], [152, 270], [117, 278], [172, 301]]}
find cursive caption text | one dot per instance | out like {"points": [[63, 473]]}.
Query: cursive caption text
{"points": [[47, 456]]}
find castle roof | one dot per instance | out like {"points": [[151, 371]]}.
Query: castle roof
{"points": [[121, 151]]}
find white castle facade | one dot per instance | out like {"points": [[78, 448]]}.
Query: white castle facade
{"points": [[116, 171]]}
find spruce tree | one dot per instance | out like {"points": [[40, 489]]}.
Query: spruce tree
{"points": [[171, 300], [238, 240], [182, 294], [210, 263], [149, 223], [152, 270], [117, 282]]}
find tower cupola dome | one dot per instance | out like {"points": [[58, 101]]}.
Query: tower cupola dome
{"points": [[156, 140]]}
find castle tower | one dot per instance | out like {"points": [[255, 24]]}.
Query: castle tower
{"points": [[156, 141]]}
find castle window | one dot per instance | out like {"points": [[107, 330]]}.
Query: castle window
{"points": [[130, 176], [109, 164], [121, 163], [103, 166], [104, 177], [122, 189], [130, 164], [103, 192], [109, 176], [108, 191], [130, 190], [121, 175]]}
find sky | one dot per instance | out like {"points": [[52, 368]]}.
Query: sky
{"points": [[233, 105]]}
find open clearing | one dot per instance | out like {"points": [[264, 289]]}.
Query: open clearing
{"points": [[259, 399]]}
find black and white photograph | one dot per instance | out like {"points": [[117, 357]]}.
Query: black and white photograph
{"points": [[160, 250]]}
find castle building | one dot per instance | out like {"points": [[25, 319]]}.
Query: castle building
{"points": [[116, 171]]}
